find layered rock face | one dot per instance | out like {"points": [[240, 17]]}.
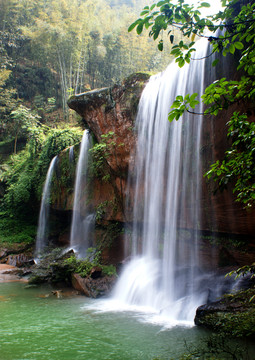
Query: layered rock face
{"points": [[109, 112], [113, 110]]}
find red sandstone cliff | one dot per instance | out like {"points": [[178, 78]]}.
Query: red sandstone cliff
{"points": [[114, 110]]}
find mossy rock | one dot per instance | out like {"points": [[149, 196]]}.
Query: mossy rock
{"points": [[234, 314]]}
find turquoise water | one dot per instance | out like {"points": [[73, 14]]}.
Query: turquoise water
{"points": [[34, 326]]}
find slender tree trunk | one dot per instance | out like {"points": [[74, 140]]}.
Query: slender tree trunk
{"points": [[63, 82], [15, 143], [78, 74]]}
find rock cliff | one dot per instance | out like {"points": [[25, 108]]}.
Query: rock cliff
{"points": [[109, 114]]}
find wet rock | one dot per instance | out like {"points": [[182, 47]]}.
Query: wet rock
{"points": [[234, 314], [3, 253], [93, 288], [58, 293], [39, 277], [19, 260]]}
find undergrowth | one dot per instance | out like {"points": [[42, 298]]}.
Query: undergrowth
{"points": [[84, 266], [14, 230]]}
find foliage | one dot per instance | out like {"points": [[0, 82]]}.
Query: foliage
{"points": [[101, 210], [243, 271], [26, 171], [70, 46], [14, 230], [239, 162], [216, 347], [111, 232], [83, 267], [100, 153], [23, 121], [238, 39], [7, 99], [233, 315], [109, 270]]}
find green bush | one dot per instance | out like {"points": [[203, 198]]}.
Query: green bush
{"points": [[16, 231], [27, 170], [83, 267]]}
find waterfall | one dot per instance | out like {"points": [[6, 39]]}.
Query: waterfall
{"points": [[83, 219], [71, 154], [164, 273], [42, 238]]}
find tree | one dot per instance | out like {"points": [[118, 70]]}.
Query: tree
{"points": [[22, 121], [237, 21]]}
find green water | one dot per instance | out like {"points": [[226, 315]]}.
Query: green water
{"points": [[47, 328]]}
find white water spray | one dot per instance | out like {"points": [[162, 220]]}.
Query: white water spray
{"points": [[42, 237], [83, 220], [164, 273]]}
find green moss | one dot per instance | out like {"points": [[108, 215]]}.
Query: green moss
{"points": [[237, 317]]}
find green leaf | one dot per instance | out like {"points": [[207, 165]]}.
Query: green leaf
{"points": [[160, 3], [232, 48], [171, 116], [193, 96], [132, 26], [194, 103], [181, 62], [215, 62], [176, 52], [139, 28], [239, 45], [144, 12], [205, 4], [160, 46]]}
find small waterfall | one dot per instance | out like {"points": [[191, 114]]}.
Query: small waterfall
{"points": [[83, 220], [42, 238], [164, 273], [71, 154]]}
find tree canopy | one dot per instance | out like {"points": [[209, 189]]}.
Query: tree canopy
{"points": [[53, 48]]}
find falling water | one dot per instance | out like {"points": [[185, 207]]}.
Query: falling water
{"points": [[71, 154], [83, 220], [41, 238], [164, 272]]}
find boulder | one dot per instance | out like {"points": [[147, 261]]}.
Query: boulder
{"points": [[19, 260], [93, 288], [234, 314]]}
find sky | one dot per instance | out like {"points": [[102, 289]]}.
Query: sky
{"points": [[215, 6]]}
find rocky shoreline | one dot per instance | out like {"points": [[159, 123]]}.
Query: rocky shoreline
{"points": [[233, 315]]}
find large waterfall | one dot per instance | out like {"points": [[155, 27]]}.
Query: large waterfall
{"points": [[83, 220], [164, 273], [42, 236]]}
